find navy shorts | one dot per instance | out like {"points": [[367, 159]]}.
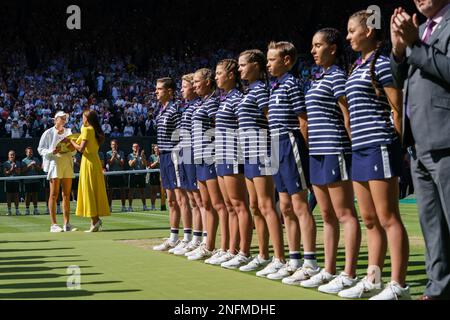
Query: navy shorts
{"points": [[256, 170], [292, 161], [377, 162], [205, 172], [327, 169], [169, 169], [229, 169], [187, 170]]}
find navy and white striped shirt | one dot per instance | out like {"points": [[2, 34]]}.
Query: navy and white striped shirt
{"points": [[168, 121], [186, 123], [326, 128], [203, 129], [287, 102], [227, 128], [253, 124], [370, 116]]}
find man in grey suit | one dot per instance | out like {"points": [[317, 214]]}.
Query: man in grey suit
{"points": [[420, 62]]}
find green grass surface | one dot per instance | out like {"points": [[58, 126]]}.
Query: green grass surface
{"points": [[34, 262]]}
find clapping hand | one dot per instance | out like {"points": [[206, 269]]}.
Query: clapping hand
{"points": [[404, 30]]}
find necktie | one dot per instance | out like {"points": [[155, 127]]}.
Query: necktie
{"points": [[426, 38], [429, 31]]}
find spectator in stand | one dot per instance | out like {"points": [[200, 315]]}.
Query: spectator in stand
{"points": [[116, 133], [106, 127], [31, 166], [15, 130], [128, 131], [11, 168]]}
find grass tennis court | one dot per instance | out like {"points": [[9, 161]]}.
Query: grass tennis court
{"points": [[118, 263]]}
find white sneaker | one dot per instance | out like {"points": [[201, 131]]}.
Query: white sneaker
{"points": [[144, 208], [190, 253], [202, 253], [238, 260], [130, 209], [293, 276], [189, 247], [222, 259], [317, 280], [256, 264], [68, 228], [124, 209], [272, 267], [55, 228], [9, 212], [339, 283], [393, 291], [17, 212], [166, 245], [363, 289], [181, 244], [287, 270], [218, 254], [27, 211]]}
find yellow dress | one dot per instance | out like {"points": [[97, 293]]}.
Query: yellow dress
{"points": [[92, 200]]}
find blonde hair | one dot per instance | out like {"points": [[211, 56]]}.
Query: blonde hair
{"points": [[188, 78], [285, 49], [207, 74]]}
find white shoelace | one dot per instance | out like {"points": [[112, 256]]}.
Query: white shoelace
{"points": [[338, 280], [364, 285], [391, 287]]}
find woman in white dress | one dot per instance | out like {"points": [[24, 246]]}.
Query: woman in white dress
{"points": [[59, 169]]}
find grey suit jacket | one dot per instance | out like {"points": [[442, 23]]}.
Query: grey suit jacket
{"points": [[425, 76]]}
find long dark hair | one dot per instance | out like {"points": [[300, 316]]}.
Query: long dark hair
{"points": [[92, 119], [334, 37], [380, 39]]}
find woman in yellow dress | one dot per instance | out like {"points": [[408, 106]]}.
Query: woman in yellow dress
{"points": [[92, 200]]}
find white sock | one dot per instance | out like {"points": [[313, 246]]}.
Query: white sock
{"points": [[187, 235], [205, 236], [310, 260], [295, 259], [173, 235], [260, 257], [197, 236]]}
